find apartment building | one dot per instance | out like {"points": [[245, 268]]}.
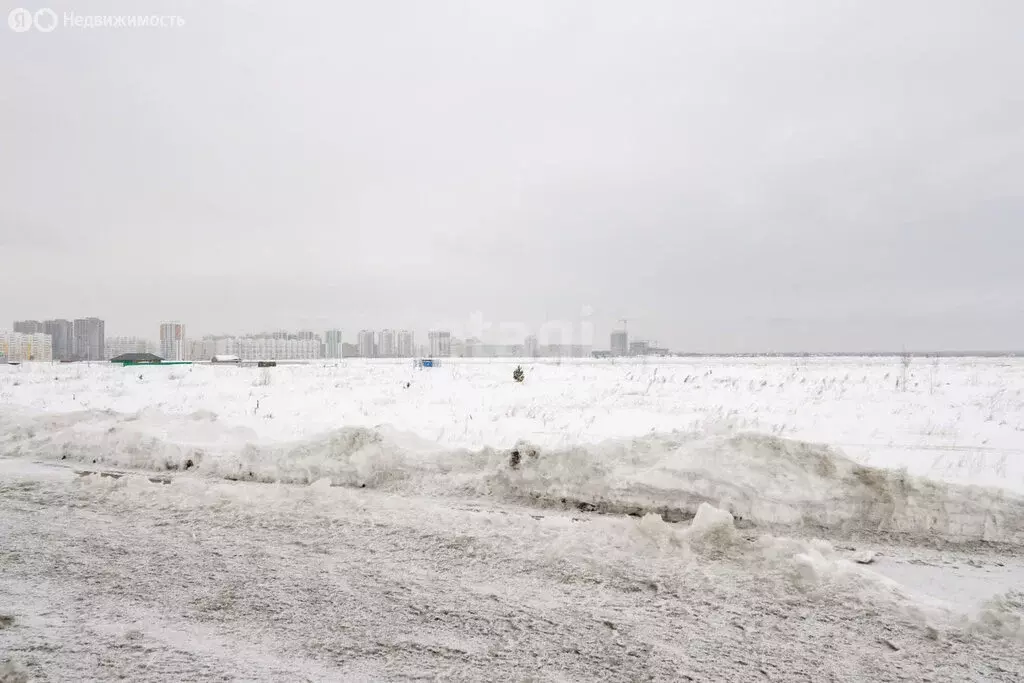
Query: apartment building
{"points": [[172, 340], [200, 349], [440, 343], [275, 347], [367, 344], [620, 343], [16, 347], [387, 346], [406, 347], [332, 344], [29, 327], [62, 337], [89, 339]]}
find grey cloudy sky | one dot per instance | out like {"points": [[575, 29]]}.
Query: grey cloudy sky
{"points": [[730, 176]]}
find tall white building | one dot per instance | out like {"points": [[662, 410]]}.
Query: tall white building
{"points": [[172, 341], [440, 343], [406, 344], [18, 348], [387, 345], [332, 344], [367, 347]]}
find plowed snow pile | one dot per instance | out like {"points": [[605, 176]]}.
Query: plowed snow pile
{"points": [[174, 537], [762, 479]]}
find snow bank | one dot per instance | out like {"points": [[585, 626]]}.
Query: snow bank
{"points": [[806, 566], [1002, 616], [761, 480], [793, 571], [958, 420]]}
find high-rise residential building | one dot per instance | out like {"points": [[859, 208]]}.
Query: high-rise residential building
{"points": [[332, 344], [406, 344], [90, 338], [387, 344], [115, 346], [62, 337], [16, 347], [367, 347], [172, 341], [349, 350], [29, 327], [620, 343], [440, 343]]}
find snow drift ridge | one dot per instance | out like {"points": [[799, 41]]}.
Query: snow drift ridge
{"points": [[761, 479]]}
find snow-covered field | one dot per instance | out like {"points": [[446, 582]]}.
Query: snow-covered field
{"points": [[700, 519]]}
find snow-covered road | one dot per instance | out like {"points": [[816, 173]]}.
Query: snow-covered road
{"points": [[106, 578]]}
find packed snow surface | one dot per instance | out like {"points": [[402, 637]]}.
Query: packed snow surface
{"points": [[713, 519]]}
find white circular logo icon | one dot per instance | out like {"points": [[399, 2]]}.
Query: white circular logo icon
{"points": [[46, 20], [20, 20]]}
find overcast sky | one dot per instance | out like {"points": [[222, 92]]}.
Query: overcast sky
{"points": [[729, 176]]}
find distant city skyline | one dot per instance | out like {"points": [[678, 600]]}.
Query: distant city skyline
{"points": [[85, 339], [475, 329], [473, 325], [89, 342]]}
